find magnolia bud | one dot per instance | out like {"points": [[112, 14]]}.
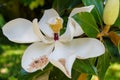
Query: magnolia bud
{"points": [[111, 12]]}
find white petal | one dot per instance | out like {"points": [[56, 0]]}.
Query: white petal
{"points": [[39, 33], [86, 47], [62, 58], [82, 9], [69, 33], [78, 30], [44, 22], [36, 56], [20, 30]]}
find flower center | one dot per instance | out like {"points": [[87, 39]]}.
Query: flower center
{"points": [[56, 26]]}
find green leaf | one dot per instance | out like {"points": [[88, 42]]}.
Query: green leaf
{"points": [[26, 2], [113, 50], [88, 23], [79, 66], [56, 74], [97, 11], [31, 76], [105, 60], [75, 74], [117, 23], [84, 66], [12, 78], [36, 3], [103, 64], [45, 76], [2, 21], [119, 47], [62, 5]]}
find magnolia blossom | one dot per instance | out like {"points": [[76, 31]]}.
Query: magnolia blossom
{"points": [[48, 45]]}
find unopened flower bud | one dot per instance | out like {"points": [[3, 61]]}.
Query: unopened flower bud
{"points": [[111, 12]]}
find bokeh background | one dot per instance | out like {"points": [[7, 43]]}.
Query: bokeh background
{"points": [[10, 53]]}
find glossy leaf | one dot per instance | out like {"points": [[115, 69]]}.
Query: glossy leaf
{"points": [[117, 23], [97, 11], [31, 76], [57, 74], [104, 61], [112, 50], [2, 21], [75, 74], [62, 5], [88, 23], [84, 66], [80, 66], [119, 47], [103, 64]]}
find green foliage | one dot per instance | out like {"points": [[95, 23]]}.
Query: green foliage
{"points": [[84, 66], [88, 23], [113, 50], [58, 76], [12, 78], [62, 5], [33, 3], [2, 21], [36, 3], [26, 2], [103, 64], [119, 47], [80, 66], [91, 23], [10, 58], [117, 23], [31, 76], [98, 9], [113, 72]]}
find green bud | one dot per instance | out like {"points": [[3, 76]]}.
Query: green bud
{"points": [[111, 12]]}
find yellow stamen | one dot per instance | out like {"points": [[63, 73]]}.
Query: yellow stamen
{"points": [[57, 26]]}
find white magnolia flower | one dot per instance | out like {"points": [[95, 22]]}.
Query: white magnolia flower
{"points": [[48, 45]]}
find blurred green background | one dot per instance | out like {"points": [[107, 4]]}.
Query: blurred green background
{"points": [[10, 53]]}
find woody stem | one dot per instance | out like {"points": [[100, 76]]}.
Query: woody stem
{"points": [[104, 32]]}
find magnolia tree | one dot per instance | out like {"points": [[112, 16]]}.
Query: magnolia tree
{"points": [[76, 46]]}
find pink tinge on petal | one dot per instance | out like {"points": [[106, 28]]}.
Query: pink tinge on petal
{"points": [[38, 63], [63, 61]]}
